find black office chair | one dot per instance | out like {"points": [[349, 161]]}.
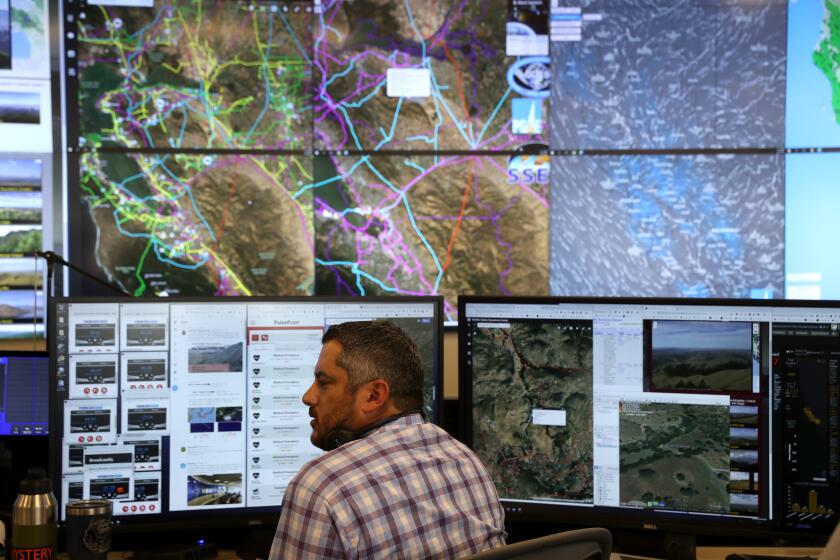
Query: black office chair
{"points": [[581, 544]]}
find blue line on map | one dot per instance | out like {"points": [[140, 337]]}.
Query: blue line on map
{"points": [[121, 184], [390, 135], [438, 97], [166, 260], [414, 165], [267, 82], [421, 138], [183, 126], [413, 223], [414, 26], [341, 74], [350, 126], [333, 179], [127, 233], [294, 37], [188, 190], [492, 116], [366, 98], [354, 268]]}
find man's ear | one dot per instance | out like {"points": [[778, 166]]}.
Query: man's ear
{"points": [[377, 395]]}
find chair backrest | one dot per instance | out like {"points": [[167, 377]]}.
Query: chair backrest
{"points": [[580, 544], [832, 547]]}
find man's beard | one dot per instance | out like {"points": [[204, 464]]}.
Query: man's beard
{"points": [[336, 436]]}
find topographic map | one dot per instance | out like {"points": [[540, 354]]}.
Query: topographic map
{"points": [[677, 74], [197, 125], [668, 225], [461, 43], [198, 75], [428, 225], [674, 456], [401, 216], [518, 372]]}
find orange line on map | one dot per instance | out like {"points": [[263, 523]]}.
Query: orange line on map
{"points": [[466, 195], [464, 200], [231, 190]]}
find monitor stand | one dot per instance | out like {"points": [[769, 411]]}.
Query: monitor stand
{"points": [[665, 546], [680, 547], [255, 543]]}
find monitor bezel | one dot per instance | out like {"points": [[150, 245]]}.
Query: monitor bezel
{"points": [[623, 517], [32, 354], [255, 517]]}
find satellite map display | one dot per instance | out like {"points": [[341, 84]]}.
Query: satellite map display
{"points": [[204, 75], [518, 372], [669, 225], [701, 356], [460, 98], [428, 225], [194, 74], [674, 456], [812, 117], [677, 74], [223, 224]]}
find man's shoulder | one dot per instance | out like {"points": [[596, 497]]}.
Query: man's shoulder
{"points": [[331, 472]]}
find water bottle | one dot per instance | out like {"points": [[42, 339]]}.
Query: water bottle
{"points": [[34, 530]]}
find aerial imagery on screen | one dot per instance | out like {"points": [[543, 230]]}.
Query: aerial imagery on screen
{"points": [[532, 411], [361, 147], [812, 122], [177, 77], [428, 86]]}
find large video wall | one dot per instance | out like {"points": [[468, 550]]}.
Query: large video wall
{"points": [[597, 147]]}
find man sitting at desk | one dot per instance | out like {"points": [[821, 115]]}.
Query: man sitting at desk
{"points": [[391, 485]]}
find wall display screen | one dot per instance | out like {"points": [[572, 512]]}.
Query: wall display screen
{"points": [[499, 146], [25, 94], [22, 211]]}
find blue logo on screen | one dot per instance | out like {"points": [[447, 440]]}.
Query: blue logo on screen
{"points": [[526, 116], [530, 76]]}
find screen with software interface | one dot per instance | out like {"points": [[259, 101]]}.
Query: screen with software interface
{"points": [[167, 407], [688, 410], [24, 393]]}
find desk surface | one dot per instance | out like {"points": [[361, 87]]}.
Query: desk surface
{"points": [[720, 552], [703, 553]]}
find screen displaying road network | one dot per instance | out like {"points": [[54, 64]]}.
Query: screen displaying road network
{"points": [[360, 147]]}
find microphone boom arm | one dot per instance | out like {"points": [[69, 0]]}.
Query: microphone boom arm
{"points": [[54, 258]]}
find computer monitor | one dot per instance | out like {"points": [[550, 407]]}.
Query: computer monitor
{"points": [[24, 393], [684, 415], [188, 412]]}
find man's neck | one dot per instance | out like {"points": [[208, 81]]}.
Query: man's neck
{"points": [[383, 416]]}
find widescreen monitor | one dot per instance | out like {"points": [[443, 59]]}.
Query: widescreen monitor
{"points": [[24, 393], [677, 414], [190, 410]]}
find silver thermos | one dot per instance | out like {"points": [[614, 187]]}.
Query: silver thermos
{"points": [[34, 530]]}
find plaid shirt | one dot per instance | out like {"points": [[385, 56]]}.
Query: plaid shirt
{"points": [[407, 490]]}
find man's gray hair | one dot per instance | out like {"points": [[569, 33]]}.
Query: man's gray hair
{"points": [[380, 350]]}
